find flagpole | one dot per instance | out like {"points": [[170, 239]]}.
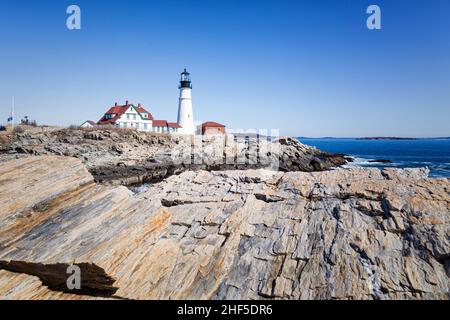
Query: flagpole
{"points": [[12, 114]]}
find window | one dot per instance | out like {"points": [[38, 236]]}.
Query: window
{"points": [[134, 117], [145, 126]]}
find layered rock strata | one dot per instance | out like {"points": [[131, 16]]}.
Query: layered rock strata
{"points": [[253, 234]]}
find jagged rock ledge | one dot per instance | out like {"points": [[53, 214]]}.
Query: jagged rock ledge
{"points": [[253, 234], [127, 157]]}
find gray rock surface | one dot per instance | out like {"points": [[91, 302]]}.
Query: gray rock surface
{"points": [[127, 157], [252, 234]]}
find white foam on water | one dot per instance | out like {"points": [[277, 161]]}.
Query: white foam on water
{"points": [[437, 170], [140, 189]]}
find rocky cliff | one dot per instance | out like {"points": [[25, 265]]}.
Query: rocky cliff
{"points": [[127, 157], [240, 234]]}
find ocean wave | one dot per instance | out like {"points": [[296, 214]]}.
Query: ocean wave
{"points": [[441, 166], [358, 161], [436, 169]]}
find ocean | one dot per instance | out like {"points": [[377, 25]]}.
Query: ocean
{"points": [[431, 153]]}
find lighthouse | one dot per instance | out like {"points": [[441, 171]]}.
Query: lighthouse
{"points": [[185, 115]]}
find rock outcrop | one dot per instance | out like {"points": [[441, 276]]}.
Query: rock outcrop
{"points": [[127, 157], [253, 234]]}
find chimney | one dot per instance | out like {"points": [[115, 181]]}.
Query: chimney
{"points": [[139, 105], [115, 104], [126, 103]]}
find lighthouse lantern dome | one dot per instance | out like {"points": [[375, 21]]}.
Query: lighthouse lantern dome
{"points": [[185, 81]]}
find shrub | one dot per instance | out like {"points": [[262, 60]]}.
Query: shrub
{"points": [[18, 130]]}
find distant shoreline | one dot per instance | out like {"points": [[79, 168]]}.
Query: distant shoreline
{"points": [[386, 138]]}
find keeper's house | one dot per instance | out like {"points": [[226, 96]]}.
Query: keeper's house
{"points": [[129, 116]]}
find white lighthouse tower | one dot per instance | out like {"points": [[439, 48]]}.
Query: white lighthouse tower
{"points": [[185, 115]]}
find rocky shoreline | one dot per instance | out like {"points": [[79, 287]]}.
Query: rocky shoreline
{"points": [[300, 232], [126, 157]]}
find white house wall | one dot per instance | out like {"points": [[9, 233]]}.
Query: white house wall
{"points": [[132, 120], [87, 125]]}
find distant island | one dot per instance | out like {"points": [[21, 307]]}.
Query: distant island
{"points": [[386, 138], [400, 138]]}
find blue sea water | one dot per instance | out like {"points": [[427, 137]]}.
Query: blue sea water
{"points": [[431, 153]]}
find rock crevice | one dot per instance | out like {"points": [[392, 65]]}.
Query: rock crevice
{"points": [[94, 281]]}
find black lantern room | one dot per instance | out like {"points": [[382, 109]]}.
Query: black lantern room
{"points": [[185, 81]]}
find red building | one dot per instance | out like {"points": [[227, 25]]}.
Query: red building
{"points": [[212, 128]]}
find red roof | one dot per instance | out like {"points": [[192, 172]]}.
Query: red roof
{"points": [[174, 125], [140, 109], [212, 124], [160, 123], [119, 110]]}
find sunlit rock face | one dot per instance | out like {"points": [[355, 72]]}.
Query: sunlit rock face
{"points": [[129, 157], [253, 234]]}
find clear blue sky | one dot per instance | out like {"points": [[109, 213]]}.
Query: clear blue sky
{"points": [[309, 68]]}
